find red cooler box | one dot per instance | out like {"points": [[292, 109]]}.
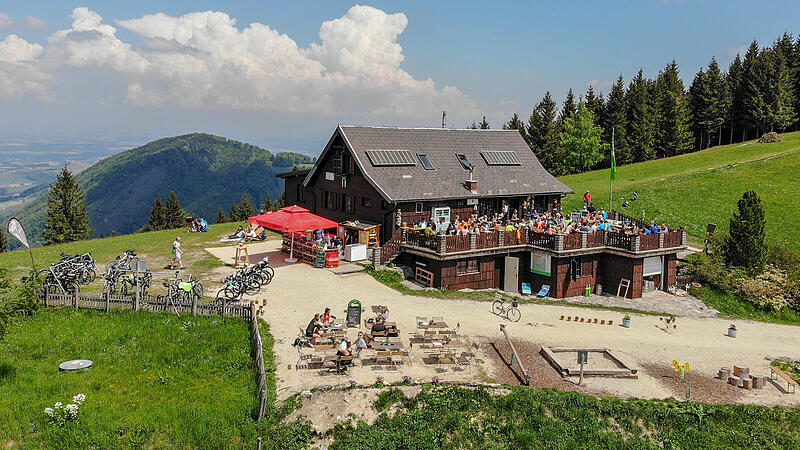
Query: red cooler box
{"points": [[332, 259]]}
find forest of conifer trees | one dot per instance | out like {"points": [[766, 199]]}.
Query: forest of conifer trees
{"points": [[657, 118]]}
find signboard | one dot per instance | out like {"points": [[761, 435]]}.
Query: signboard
{"points": [[472, 201], [15, 229], [583, 356], [437, 214], [329, 176], [354, 313], [540, 263]]}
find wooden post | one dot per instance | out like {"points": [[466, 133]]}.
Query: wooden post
{"points": [[224, 304], [46, 294], [253, 311], [107, 294], [194, 305], [136, 295], [75, 296]]}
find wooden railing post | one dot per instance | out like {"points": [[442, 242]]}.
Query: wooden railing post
{"points": [[75, 296], [194, 305], [107, 295], [403, 234], [136, 296], [46, 294]]}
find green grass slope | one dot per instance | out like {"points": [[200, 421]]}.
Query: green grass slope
{"points": [[205, 171], [158, 381], [695, 189]]}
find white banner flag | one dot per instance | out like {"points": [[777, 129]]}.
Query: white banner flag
{"points": [[15, 229]]}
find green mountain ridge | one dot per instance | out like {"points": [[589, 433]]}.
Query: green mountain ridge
{"points": [[204, 170]]}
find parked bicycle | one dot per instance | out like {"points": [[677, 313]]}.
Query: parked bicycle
{"points": [[248, 280], [69, 272], [181, 292], [511, 312]]}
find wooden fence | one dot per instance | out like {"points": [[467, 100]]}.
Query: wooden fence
{"points": [[487, 240], [648, 242], [258, 355], [457, 243], [104, 302], [572, 241]]}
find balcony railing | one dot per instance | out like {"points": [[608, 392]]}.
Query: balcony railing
{"points": [[441, 244]]}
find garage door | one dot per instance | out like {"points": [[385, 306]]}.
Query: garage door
{"points": [[653, 266]]}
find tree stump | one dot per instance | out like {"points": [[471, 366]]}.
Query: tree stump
{"points": [[741, 371], [747, 383], [759, 381], [724, 374], [734, 380]]}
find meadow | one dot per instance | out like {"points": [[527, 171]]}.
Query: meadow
{"points": [[158, 380], [698, 188]]}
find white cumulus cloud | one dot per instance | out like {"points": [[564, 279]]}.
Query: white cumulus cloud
{"points": [[202, 59], [20, 72]]}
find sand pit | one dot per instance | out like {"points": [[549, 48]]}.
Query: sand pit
{"points": [[298, 291], [600, 362]]}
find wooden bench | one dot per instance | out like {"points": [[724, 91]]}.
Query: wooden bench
{"points": [[424, 277], [789, 381]]}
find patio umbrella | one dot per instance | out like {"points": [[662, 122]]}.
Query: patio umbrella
{"points": [[291, 219]]}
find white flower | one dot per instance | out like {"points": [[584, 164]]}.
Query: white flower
{"points": [[49, 411], [58, 404], [79, 398], [72, 409]]}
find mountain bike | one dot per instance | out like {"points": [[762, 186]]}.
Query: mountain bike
{"points": [[511, 312]]}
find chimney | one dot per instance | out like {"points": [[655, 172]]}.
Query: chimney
{"points": [[472, 185]]}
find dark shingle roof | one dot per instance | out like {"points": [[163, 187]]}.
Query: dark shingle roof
{"points": [[408, 183]]}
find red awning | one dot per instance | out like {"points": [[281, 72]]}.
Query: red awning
{"points": [[292, 218]]}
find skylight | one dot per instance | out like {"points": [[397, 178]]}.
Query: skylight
{"points": [[426, 163], [465, 163]]}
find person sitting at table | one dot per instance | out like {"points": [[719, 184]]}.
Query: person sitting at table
{"points": [[345, 348], [312, 330], [327, 317], [379, 325], [360, 344]]}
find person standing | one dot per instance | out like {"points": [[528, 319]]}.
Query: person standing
{"points": [[587, 199], [177, 254]]}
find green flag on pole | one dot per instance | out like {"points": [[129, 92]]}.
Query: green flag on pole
{"points": [[613, 166]]}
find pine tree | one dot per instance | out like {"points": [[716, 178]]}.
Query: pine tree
{"points": [[616, 119], [543, 134], [697, 103], [175, 215], [484, 125], [268, 204], [716, 101], [673, 134], [281, 202], [158, 216], [582, 141], [569, 107], [221, 218], [246, 208], [235, 215], [473, 126], [750, 90], [782, 90], [516, 124], [67, 217], [640, 119], [3, 242], [735, 81], [595, 104], [745, 245], [795, 63]]}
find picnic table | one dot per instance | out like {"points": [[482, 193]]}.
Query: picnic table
{"points": [[379, 309], [432, 325]]}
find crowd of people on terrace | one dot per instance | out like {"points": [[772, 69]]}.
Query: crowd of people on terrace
{"points": [[587, 221]]}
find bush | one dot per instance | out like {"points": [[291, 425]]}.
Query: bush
{"points": [[769, 290], [770, 138], [14, 300], [745, 247], [709, 269], [785, 259]]}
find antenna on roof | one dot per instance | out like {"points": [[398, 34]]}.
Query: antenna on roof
{"points": [[444, 118]]}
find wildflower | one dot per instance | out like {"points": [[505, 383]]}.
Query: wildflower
{"points": [[72, 409], [379, 378], [58, 405], [406, 379], [436, 379], [79, 399], [49, 411]]}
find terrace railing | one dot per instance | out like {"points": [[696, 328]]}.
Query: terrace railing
{"points": [[487, 240], [572, 241], [420, 239], [648, 242], [542, 240], [516, 237], [595, 239], [673, 239], [619, 240], [457, 243]]}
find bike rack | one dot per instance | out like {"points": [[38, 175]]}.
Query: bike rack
{"points": [[515, 357]]}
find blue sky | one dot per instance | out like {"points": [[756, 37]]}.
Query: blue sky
{"points": [[403, 61]]}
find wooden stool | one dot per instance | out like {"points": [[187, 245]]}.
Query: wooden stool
{"points": [[242, 257]]}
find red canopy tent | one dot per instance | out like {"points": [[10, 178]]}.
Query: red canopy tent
{"points": [[290, 219]]}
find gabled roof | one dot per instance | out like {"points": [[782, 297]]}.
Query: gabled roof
{"points": [[447, 181]]}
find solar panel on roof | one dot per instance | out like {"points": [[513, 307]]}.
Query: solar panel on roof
{"points": [[391, 158], [501, 158]]}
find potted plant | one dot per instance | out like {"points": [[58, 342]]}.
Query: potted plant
{"points": [[626, 321], [732, 330]]}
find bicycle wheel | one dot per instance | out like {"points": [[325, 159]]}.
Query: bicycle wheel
{"points": [[231, 292], [198, 290], [497, 307], [270, 270], [123, 290], [513, 314]]}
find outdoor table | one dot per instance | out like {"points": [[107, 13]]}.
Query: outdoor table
{"points": [[377, 309], [434, 325], [389, 346], [336, 326]]}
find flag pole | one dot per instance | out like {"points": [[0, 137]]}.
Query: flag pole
{"points": [[611, 178]]}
